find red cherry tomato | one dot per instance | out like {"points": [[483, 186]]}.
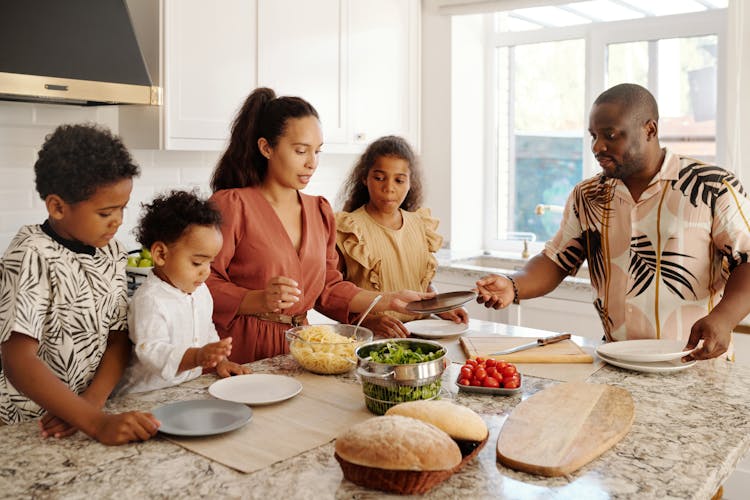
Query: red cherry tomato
{"points": [[490, 382], [509, 371], [476, 382], [466, 372], [492, 372], [480, 373], [465, 381], [490, 362], [501, 364], [471, 362], [479, 360], [511, 383]]}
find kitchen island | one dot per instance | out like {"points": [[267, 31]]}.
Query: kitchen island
{"points": [[690, 430]]}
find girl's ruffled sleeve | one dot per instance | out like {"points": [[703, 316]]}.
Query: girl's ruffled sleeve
{"points": [[434, 242], [353, 245]]}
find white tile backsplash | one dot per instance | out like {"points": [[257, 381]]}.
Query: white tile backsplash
{"points": [[24, 126]]}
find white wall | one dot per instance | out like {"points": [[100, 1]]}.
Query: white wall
{"points": [[23, 127]]}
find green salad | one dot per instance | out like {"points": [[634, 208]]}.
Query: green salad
{"points": [[393, 353]]}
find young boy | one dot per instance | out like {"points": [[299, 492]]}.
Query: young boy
{"points": [[63, 298], [169, 318]]}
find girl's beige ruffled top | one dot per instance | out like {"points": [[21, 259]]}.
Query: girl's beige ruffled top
{"points": [[382, 259]]}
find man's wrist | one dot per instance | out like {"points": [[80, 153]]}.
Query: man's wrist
{"points": [[513, 283]]}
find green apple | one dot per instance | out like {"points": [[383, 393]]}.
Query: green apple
{"points": [[146, 254], [133, 261], [146, 263]]}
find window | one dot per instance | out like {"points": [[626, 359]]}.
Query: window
{"points": [[552, 62]]}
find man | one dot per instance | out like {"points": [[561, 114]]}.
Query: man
{"points": [[666, 237]]}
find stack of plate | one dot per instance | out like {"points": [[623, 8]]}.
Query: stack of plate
{"points": [[649, 355]]}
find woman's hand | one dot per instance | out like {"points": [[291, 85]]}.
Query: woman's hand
{"points": [[456, 315], [397, 301], [495, 291], [386, 326], [280, 293], [226, 368]]}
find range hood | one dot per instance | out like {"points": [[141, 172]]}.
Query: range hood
{"points": [[72, 52]]}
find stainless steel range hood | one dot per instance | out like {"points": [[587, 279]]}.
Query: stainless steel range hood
{"points": [[72, 52]]}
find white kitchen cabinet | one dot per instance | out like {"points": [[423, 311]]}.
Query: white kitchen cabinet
{"points": [[356, 61], [203, 55], [561, 315]]}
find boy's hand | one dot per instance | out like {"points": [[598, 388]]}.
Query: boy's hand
{"points": [[123, 428], [226, 368], [210, 355], [456, 315]]}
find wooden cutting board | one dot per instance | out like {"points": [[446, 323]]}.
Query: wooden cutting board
{"points": [[562, 428], [565, 351]]}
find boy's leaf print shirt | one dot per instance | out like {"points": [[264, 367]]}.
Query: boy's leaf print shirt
{"points": [[659, 264], [67, 301]]}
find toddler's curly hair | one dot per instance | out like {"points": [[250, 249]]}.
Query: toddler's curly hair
{"points": [[167, 217], [76, 160]]}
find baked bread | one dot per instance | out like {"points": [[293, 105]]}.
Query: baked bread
{"points": [[397, 454], [398, 443], [459, 422]]}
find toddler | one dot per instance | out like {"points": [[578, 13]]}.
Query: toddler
{"points": [[173, 335], [63, 295]]}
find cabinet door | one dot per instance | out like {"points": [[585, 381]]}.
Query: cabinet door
{"points": [[383, 69], [301, 53], [555, 315], [209, 66]]}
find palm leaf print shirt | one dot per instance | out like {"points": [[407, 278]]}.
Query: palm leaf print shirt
{"points": [[66, 296], [659, 264]]}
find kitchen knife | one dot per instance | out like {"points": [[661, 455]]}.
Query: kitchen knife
{"points": [[539, 342]]}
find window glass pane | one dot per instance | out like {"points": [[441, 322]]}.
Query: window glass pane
{"points": [[666, 7], [544, 129], [604, 10], [627, 63], [687, 95]]}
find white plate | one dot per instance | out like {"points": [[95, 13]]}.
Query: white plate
{"points": [[139, 270], [653, 367], [644, 351], [436, 328], [202, 417], [255, 388]]}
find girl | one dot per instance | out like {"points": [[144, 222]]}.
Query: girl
{"points": [[169, 317], [279, 256], [380, 220]]}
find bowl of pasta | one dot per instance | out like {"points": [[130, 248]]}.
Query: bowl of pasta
{"points": [[327, 349]]}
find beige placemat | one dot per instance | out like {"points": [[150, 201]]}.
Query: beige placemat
{"points": [[325, 407]]}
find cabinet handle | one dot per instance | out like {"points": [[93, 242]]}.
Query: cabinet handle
{"points": [[360, 137]]}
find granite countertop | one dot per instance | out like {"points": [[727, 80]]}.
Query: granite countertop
{"points": [[690, 430]]}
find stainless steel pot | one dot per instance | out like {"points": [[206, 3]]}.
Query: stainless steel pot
{"points": [[410, 374]]}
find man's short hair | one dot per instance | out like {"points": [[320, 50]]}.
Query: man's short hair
{"points": [[634, 99]]}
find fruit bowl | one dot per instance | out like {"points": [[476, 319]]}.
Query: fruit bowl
{"points": [[327, 349]]}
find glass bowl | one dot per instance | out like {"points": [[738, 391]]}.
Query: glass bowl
{"points": [[327, 349]]}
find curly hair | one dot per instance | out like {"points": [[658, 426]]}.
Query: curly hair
{"points": [[354, 192], [76, 160], [262, 115], [167, 217]]}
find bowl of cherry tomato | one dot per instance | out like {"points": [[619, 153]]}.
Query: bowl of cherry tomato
{"points": [[489, 376]]}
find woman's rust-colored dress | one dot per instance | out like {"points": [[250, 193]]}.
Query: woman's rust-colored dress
{"points": [[257, 248]]}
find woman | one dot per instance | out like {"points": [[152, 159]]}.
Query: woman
{"points": [[279, 256]]}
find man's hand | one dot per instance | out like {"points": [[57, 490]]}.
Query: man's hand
{"points": [[494, 291], [715, 338]]}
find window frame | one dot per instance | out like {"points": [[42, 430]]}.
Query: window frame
{"points": [[596, 37]]}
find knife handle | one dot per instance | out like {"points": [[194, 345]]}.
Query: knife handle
{"points": [[553, 339]]}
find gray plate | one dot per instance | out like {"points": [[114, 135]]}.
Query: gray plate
{"points": [[202, 417], [491, 390], [441, 302]]}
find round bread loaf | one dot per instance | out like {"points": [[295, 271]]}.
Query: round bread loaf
{"points": [[398, 443], [459, 422]]}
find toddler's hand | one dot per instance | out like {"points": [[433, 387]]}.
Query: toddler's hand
{"points": [[210, 355], [226, 368], [123, 428]]}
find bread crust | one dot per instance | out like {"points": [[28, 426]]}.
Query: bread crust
{"points": [[398, 443], [459, 422]]}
